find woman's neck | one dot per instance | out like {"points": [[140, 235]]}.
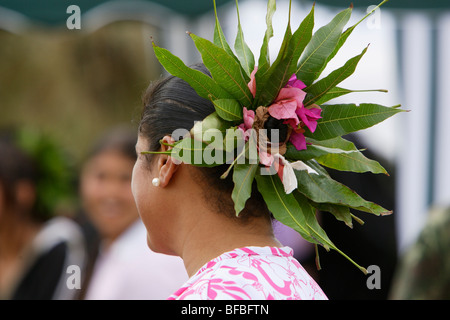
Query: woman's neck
{"points": [[216, 234]]}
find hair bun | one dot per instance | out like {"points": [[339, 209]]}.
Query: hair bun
{"points": [[275, 124]]}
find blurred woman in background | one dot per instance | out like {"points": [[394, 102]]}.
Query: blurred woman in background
{"points": [[37, 245], [125, 268]]}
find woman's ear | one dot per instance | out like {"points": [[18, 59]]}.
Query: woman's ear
{"points": [[167, 166]]}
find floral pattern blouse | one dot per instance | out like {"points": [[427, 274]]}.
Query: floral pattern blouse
{"points": [[257, 273]]}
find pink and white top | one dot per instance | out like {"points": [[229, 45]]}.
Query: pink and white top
{"points": [[256, 273]]}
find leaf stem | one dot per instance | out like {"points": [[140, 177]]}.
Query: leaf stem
{"points": [[353, 262], [357, 219], [166, 144], [371, 90], [157, 152], [225, 174], [318, 266]]}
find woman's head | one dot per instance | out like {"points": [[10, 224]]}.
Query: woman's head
{"points": [[169, 105], [35, 174], [18, 177], [105, 183]]}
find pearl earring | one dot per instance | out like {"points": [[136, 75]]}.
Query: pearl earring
{"points": [[156, 182]]}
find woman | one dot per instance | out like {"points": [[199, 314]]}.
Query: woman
{"points": [[188, 211], [38, 249], [124, 267]]}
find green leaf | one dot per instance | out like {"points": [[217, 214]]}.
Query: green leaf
{"points": [[245, 55], [262, 76], [321, 87], [353, 161], [220, 135], [340, 119], [219, 36], [228, 109], [316, 231], [243, 176], [234, 139], [271, 82], [320, 47], [341, 213], [224, 70], [213, 122], [200, 82], [264, 58], [322, 188], [336, 153], [347, 33], [317, 148], [337, 92], [284, 207], [192, 151], [294, 211]]}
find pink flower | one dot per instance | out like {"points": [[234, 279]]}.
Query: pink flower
{"points": [[294, 82], [288, 105], [252, 83], [298, 139], [249, 117], [309, 116], [265, 158]]}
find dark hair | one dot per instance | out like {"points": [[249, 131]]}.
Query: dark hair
{"points": [[171, 104], [15, 166]]}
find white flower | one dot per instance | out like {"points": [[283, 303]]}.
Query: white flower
{"points": [[289, 179]]}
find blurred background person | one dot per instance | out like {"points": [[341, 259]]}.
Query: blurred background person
{"points": [[424, 269], [37, 243], [122, 266]]}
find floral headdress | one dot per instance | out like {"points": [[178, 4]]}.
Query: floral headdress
{"points": [[286, 93]]}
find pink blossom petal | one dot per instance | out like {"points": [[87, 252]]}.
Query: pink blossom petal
{"points": [[249, 117], [291, 93], [294, 82], [245, 133], [252, 83], [314, 113], [265, 158], [309, 117], [284, 109], [298, 140]]}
